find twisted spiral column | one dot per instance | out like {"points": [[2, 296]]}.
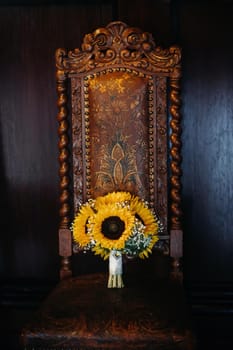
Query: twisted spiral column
{"points": [[175, 138], [64, 232], [176, 234]]}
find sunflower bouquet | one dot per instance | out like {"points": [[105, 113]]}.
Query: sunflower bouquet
{"points": [[116, 224]]}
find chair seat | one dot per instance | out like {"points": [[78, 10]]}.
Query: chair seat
{"points": [[82, 313]]}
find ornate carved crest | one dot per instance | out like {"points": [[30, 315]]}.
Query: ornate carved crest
{"points": [[118, 44]]}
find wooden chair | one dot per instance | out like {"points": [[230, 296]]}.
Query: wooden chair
{"points": [[119, 130]]}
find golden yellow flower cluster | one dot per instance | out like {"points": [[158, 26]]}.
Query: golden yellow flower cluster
{"points": [[117, 221]]}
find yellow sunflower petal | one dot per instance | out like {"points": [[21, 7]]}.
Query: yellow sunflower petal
{"points": [[112, 198], [98, 250], [80, 226], [139, 208]]}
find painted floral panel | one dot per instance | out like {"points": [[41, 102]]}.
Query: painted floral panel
{"points": [[118, 123]]}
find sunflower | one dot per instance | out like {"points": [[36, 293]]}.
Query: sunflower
{"points": [[112, 197], [110, 228], [79, 228], [145, 215], [117, 221]]}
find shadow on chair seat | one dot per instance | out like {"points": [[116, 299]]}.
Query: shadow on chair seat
{"points": [[82, 313]]}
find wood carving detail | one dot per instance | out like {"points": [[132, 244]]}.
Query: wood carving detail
{"points": [[77, 142], [118, 44], [62, 118], [161, 151], [63, 148], [176, 212], [121, 51]]}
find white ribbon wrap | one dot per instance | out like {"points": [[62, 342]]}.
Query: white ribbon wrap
{"points": [[115, 263], [115, 270]]}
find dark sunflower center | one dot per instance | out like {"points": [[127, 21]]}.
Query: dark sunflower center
{"points": [[113, 227]]}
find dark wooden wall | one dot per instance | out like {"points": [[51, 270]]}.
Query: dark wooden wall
{"points": [[29, 167], [30, 32], [206, 34]]}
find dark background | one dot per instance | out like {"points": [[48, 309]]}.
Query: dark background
{"points": [[30, 32]]}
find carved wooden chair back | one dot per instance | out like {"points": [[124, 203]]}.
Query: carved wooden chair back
{"points": [[119, 128]]}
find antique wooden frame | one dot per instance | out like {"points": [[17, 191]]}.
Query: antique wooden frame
{"points": [[119, 48]]}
